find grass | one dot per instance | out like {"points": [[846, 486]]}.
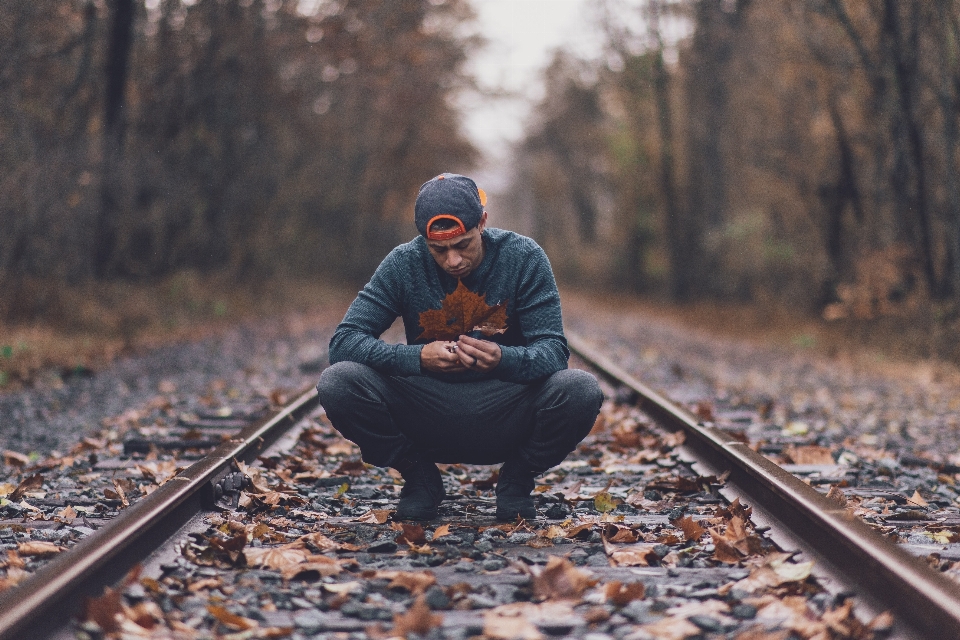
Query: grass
{"points": [[80, 329]]}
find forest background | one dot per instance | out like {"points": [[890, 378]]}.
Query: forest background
{"points": [[167, 161]]}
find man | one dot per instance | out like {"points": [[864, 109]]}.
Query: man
{"points": [[478, 400]]}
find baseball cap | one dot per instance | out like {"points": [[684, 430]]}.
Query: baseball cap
{"points": [[449, 196]]}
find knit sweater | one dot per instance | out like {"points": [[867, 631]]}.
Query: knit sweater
{"points": [[514, 270]]}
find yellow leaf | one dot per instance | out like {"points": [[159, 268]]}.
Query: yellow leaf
{"points": [[604, 502]]}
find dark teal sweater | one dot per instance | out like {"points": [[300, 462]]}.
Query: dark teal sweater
{"points": [[408, 281]]}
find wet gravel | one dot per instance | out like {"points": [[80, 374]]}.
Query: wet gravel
{"points": [[251, 361], [631, 544], [882, 441], [882, 444]]}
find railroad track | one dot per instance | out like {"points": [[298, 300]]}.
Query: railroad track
{"points": [[843, 545], [52, 595], [924, 602]]}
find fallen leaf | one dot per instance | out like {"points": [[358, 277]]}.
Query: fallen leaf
{"points": [[630, 555], [604, 502], [918, 500], [509, 622], [15, 459], [205, 583], [275, 557], [621, 594], [672, 628], [442, 530], [105, 610], [418, 619], [375, 516], [341, 588], [620, 535], [38, 548], [313, 568], [319, 542], [413, 581], [67, 513], [560, 580], [27, 484], [836, 496], [231, 620], [460, 313], [808, 454], [412, 534], [692, 531]]}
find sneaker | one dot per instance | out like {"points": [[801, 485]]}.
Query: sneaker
{"points": [[514, 489], [422, 492]]}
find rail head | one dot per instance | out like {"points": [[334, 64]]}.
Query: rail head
{"points": [[925, 599], [38, 601]]}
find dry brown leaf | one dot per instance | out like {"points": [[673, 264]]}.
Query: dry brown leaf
{"points": [[375, 516], [808, 454], [313, 568], [621, 594], [560, 580], [460, 313], [620, 535], [205, 583], [105, 610], [15, 459], [509, 622], [275, 557], [231, 620], [67, 513], [692, 531], [836, 496], [918, 500], [442, 530], [724, 551], [672, 628], [632, 555], [27, 484], [411, 534], [319, 542], [418, 619], [38, 548], [413, 581]]}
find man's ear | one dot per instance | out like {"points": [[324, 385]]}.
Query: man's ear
{"points": [[483, 221]]}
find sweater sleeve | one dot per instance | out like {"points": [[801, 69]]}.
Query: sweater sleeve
{"points": [[538, 312], [357, 338]]}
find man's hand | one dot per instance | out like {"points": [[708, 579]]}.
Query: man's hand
{"points": [[478, 355], [441, 357]]}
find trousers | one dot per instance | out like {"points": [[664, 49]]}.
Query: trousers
{"points": [[485, 422]]}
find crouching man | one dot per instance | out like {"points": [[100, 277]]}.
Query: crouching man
{"points": [[504, 398]]}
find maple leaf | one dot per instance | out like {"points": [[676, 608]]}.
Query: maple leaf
{"points": [[460, 313]]}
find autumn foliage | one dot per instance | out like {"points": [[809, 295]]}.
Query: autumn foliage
{"points": [[461, 313]]}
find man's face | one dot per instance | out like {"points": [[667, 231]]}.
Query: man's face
{"points": [[461, 255]]}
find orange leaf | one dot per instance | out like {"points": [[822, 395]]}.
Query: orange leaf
{"points": [[231, 620], [442, 530], [418, 619], [38, 548], [560, 580], [460, 313], [692, 531], [412, 534], [622, 594]]}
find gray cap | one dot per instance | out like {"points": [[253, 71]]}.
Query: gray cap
{"points": [[449, 195]]}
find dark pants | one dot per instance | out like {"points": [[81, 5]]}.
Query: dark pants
{"points": [[485, 422]]}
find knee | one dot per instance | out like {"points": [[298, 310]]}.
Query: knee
{"points": [[577, 391], [339, 381]]}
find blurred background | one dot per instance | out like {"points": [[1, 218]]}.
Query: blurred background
{"points": [[162, 159]]}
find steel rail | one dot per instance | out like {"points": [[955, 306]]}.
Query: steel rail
{"points": [[50, 597], [926, 600]]}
